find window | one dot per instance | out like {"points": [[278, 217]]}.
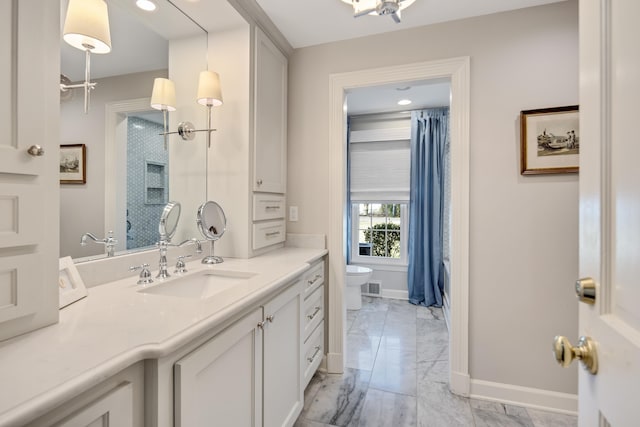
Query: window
{"points": [[379, 232]]}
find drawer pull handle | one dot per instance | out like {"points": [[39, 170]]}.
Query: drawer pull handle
{"points": [[314, 280], [271, 234], [272, 207], [312, 358], [314, 314]]}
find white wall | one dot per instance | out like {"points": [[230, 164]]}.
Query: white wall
{"points": [[523, 241], [82, 206]]}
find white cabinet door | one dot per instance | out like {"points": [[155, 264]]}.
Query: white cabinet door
{"points": [[270, 110], [610, 209], [283, 393], [113, 410], [29, 186], [220, 383]]}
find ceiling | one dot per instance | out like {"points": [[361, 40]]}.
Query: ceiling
{"points": [[308, 23], [384, 99]]}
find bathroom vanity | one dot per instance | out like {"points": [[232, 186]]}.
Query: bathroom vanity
{"points": [[236, 342]]}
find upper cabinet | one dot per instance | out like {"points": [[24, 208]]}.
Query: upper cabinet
{"points": [[270, 112], [247, 160], [28, 165]]}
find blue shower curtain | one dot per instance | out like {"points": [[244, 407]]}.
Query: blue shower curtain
{"points": [[429, 140]]}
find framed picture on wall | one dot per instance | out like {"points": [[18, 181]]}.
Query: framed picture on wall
{"points": [[549, 140], [73, 164]]}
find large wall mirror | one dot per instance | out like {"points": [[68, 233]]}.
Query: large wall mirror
{"points": [[129, 175]]}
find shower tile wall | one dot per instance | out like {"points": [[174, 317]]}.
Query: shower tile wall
{"points": [[143, 213]]}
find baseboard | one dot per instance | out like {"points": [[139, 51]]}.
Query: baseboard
{"points": [[446, 309], [459, 383], [395, 294], [552, 401], [335, 363]]}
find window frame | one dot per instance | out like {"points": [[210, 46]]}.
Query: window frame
{"points": [[356, 258]]}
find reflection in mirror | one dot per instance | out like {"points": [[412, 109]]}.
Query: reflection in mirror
{"points": [[169, 221], [130, 177], [212, 223]]}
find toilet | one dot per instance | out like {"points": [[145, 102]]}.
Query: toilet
{"points": [[356, 277]]}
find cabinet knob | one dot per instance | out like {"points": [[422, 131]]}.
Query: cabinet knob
{"points": [[36, 150], [270, 318], [259, 181]]}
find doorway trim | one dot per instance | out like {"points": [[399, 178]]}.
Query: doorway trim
{"points": [[458, 71]]}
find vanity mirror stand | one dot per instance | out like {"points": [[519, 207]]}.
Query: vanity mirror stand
{"points": [[212, 223]]}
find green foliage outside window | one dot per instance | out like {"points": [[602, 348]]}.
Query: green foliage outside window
{"points": [[385, 239]]}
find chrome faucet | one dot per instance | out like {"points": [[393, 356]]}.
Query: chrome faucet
{"points": [[163, 245], [109, 242]]}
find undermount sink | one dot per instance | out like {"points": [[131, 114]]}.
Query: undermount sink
{"points": [[202, 285]]}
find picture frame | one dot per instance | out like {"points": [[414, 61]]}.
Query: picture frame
{"points": [[73, 164], [70, 285], [549, 140]]}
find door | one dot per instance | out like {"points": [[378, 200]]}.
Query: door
{"points": [[283, 393], [610, 208], [270, 110], [29, 186], [219, 383]]}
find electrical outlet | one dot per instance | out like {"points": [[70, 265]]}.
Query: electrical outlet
{"points": [[293, 213]]}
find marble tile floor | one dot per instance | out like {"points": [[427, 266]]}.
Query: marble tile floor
{"points": [[396, 375]]}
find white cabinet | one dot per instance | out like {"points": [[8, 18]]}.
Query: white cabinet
{"points": [[116, 402], [113, 410], [313, 321], [270, 113], [269, 144], [222, 379], [28, 182], [283, 392], [249, 374]]}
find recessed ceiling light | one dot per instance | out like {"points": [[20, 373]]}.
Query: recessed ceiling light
{"points": [[404, 102], [147, 5]]}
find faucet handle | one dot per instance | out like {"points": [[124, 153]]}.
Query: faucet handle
{"points": [[181, 268], [145, 274]]}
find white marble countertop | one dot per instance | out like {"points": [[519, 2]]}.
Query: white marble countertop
{"points": [[116, 326]]}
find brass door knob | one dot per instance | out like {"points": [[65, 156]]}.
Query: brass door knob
{"points": [[585, 351], [586, 290]]}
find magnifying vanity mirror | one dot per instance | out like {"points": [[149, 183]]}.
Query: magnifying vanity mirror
{"points": [[212, 223], [169, 221], [130, 177]]}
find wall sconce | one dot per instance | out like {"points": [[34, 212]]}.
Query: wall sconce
{"points": [[86, 27], [163, 98]]}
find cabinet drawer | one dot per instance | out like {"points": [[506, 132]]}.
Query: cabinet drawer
{"points": [[268, 233], [313, 352], [313, 278], [313, 311], [268, 206]]}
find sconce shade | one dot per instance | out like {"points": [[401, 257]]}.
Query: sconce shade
{"points": [[163, 96], [86, 26], [209, 92]]}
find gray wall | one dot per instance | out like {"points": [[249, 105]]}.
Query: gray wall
{"points": [[523, 230]]}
